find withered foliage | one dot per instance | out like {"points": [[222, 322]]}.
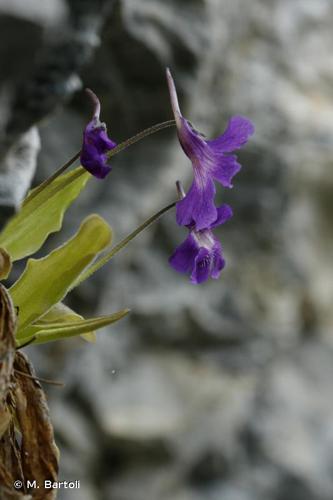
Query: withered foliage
{"points": [[27, 448], [7, 354]]}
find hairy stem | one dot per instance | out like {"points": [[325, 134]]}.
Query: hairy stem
{"points": [[122, 244], [52, 177], [141, 135], [120, 147]]}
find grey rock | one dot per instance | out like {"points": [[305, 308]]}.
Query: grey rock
{"points": [[17, 171]]}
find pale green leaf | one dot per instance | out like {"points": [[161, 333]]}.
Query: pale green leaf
{"points": [[41, 333], [60, 313], [46, 281], [89, 337], [42, 214]]}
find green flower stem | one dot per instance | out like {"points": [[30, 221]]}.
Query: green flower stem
{"points": [[122, 244], [50, 179], [120, 147], [141, 135]]}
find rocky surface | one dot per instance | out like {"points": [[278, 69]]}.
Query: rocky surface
{"points": [[224, 390]]}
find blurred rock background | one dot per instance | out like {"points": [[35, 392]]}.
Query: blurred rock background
{"points": [[222, 391]]}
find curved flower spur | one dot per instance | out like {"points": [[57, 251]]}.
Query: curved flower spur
{"points": [[211, 161]]}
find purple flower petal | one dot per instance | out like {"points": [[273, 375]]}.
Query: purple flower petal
{"points": [[198, 205], [218, 261], [95, 162], [96, 144], [97, 136], [200, 255], [202, 265], [182, 260], [224, 169], [236, 135], [224, 213]]}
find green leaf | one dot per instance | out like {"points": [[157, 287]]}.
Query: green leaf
{"points": [[60, 313], [42, 214], [46, 281], [41, 333]]}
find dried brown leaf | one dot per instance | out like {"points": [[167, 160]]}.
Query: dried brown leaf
{"points": [[10, 461], [39, 453], [6, 494], [35, 455], [7, 353]]}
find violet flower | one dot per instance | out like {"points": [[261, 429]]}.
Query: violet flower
{"points": [[211, 161], [96, 143], [200, 255]]}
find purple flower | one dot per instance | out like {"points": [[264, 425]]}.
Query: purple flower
{"points": [[200, 255], [96, 143], [211, 161]]}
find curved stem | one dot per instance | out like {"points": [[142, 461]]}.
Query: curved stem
{"points": [[120, 147], [141, 135], [122, 244], [56, 174]]}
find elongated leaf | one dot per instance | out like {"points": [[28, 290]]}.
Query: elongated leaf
{"points": [[39, 453], [42, 215], [42, 332], [60, 313], [46, 281]]}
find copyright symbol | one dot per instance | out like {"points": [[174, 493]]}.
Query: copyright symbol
{"points": [[18, 484]]}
